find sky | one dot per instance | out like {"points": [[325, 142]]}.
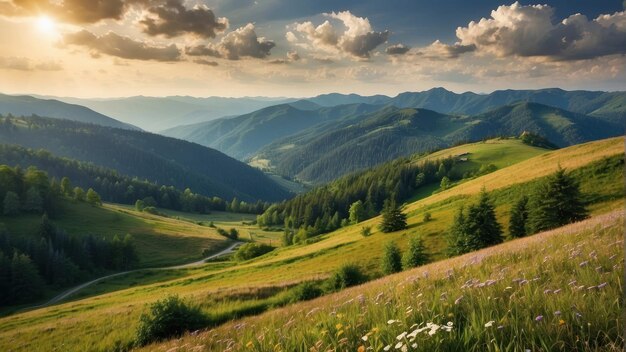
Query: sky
{"points": [[299, 48]]}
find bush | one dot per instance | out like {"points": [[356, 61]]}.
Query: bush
{"points": [[305, 291], [170, 317], [252, 250], [366, 231], [427, 217], [391, 261], [347, 275]]}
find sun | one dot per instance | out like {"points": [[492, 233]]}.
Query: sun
{"points": [[46, 24]]}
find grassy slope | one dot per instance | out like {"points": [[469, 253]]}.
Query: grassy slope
{"points": [[510, 285], [160, 241], [118, 311]]}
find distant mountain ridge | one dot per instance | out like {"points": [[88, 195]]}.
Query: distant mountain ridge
{"points": [[159, 113], [25, 105]]}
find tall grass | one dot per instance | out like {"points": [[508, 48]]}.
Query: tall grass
{"points": [[557, 291]]}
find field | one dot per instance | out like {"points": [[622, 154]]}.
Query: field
{"points": [[160, 241], [558, 290], [229, 290]]}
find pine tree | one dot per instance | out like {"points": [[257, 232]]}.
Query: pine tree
{"points": [[416, 254], [457, 235], [393, 217], [11, 204], [66, 186], [26, 284], [34, 201], [556, 201], [519, 217], [445, 183], [392, 259], [483, 230]]}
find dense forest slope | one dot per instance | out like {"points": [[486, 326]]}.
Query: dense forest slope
{"points": [[159, 159], [322, 155], [27, 105]]}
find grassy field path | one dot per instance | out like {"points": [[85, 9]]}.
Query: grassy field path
{"points": [[60, 297]]}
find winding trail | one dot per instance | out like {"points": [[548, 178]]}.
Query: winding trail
{"points": [[73, 290]]}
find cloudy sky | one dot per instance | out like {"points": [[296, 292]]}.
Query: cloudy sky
{"points": [[110, 48]]}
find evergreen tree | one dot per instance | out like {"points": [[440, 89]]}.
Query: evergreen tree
{"points": [[393, 217], [140, 205], [519, 217], [26, 284], [5, 280], [392, 259], [33, 202], [93, 197], [11, 204], [357, 212], [458, 242], [445, 183], [483, 230], [556, 201], [130, 256], [416, 254]]}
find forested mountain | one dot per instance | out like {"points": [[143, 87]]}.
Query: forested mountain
{"points": [[160, 113], [117, 188], [155, 158], [242, 136], [327, 152], [26, 105], [609, 105]]}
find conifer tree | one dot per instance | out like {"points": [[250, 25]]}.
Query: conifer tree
{"points": [[483, 229], [457, 235], [93, 197], [519, 217], [392, 259], [11, 204], [393, 217], [556, 201], [416, 254]]}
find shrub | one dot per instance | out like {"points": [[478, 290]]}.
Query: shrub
{"points": [[347, 275], [427, 217], [252, 250], [170, 317], [366, 231], [392, 259], [306, 291]]}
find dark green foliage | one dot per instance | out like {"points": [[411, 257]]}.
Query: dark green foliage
{"points": [[170, 317], [445, 183], [248, 251], [146, 156], [66, 186], [519, 217], [478, 229], [347, 275], [536, 140], [428, 216], [26, 284], [416, 254], [326, 208], [393, 219], [79, 194], [366, 231], [391, 261], [556, 201], [305, 291], [11, 204], [33, 202], [482, 227]]}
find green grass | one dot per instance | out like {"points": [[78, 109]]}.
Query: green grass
{"points": [[493, 300], [160, 241], [97, 322]]}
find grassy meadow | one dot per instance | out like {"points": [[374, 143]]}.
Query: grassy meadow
{"points": [[106, 315]]}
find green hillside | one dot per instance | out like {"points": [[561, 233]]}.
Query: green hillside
{"points": [[151, 157], [242, 136], [229, 290], [323, 155]]}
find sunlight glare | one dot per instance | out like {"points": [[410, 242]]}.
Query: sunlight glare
{"points": [[46, 25]]}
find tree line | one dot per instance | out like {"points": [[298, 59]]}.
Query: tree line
{"points": [[555, 201], [52, 259], [117, 188], [353, 198]]}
